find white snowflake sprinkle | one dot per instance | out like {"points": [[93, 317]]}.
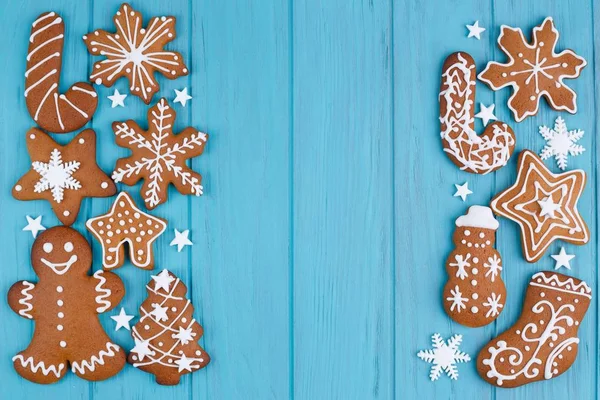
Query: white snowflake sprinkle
{"points": [[560, 142], [444, 356], [56, 175]]}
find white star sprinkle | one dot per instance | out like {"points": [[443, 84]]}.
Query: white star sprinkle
{"points": [[548, 207], [562, 259], [34, 225], [181, 240], [475, 30], [122, 320], [462, 191], [117, 99], [142, 348], [486, 113], [162, 280], [184, 363], [185, 335], [182, 96], [159, 312]]}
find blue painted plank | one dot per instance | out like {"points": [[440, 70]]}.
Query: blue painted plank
{"points": [[342, 200]]}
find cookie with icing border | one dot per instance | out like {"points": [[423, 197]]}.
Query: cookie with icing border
{"points": [[65, 303]]}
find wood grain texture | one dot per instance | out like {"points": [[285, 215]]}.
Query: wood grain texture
{"points": [[319, 245]]}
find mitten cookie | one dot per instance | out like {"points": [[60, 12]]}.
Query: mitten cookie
{"points": [[158, 155], [63, 175], [543, 343], [475, 293], [125, 223], [65, 304], [135, 52], [166, 334], [534, 70], [469, 151], [544, 205], [51, 110]]}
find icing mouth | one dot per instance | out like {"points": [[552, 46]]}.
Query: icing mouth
{"points": [[60, 268]]}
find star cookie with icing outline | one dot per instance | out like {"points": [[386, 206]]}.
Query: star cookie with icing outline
{"points": [[135, 52], [63, 175], [534, 70], [126, 223], [158, 155], [544, 205]]}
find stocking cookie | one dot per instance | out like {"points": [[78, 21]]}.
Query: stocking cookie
{"points": [[135, 52], [543, 343], [158, 155], [534, 70], [53, 111], [65, 304], [166, 335], [126, 224], [544, 205], [469, 151], [63, 175], [475, 293]]}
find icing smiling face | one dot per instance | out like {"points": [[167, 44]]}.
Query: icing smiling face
{"points": [[60, 250]]}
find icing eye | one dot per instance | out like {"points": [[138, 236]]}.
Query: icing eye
{"points": [[68, 247], [48, 247]]}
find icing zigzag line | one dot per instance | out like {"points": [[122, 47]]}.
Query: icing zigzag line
{"points": [[578, 288], [94, 360], [25, 300], [30, 363], [104, 293]]}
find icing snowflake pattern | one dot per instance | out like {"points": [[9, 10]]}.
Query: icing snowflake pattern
{"points": [[444, 356], [457, 300], [561, 142], [493, 266], [56, 176], [158, 155], [493, 304], [460, 265], [135, 52], [534, 70]]}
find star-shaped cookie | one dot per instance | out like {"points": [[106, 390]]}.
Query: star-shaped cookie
{"points": [[63, 175], [528, 201], [125, 223]]}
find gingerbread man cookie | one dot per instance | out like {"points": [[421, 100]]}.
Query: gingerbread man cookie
{"points": [[475, 293], [534, 70], [65, 304], [544, 205], [126, 224], [63, 175], [478, 154], [543, 343], [53, 111]]}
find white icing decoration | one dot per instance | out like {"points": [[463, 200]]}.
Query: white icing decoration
{"points": [[478, 217], [494, 304], [457, 300], [62, 267], [99, 359], [560, 142], [56, 175], [461, 264], [25, 298], [30, 363], [493, 266], [104, 293]]}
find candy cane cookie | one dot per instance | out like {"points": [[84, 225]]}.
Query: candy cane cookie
{"points": [[469, 151], [51, 110]]}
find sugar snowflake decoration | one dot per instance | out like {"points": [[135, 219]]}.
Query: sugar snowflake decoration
{"points": [[158, 155], [561, 142], [444, 356], [135, 52], [56, 175], [493, 304]]}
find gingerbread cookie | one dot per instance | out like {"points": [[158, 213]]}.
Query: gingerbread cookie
{"points": [[469, 151], [51, 110], [166, 334], [135, 52], [544, 205], [65, 304], [543, 343], [125, 223], [534, 70], [63, 175], [158, 155], [475, 293]]}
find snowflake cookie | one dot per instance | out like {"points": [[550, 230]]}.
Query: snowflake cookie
{"points": [[158, 155], [534, 70], [135, 52], [63, 175], [561, 142], [444, 356]]}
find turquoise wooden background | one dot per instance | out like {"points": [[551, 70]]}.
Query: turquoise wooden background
{"points": [[317, 268]]}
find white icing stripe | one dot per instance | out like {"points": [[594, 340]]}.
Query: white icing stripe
{"points": [[79, 110], [589, 296], [35, 367], [42, 62], [43, 17], [49, 74], [90, 92], [34, 34], [32, 52], [26, 297], [104, 293], [99, 359], [58, 111]]}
